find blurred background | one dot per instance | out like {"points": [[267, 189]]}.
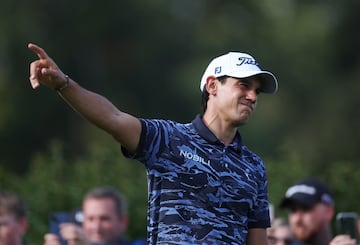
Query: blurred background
{"points": [[147, 57]]}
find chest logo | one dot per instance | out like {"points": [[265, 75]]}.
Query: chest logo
{"points": [[194, 157]]}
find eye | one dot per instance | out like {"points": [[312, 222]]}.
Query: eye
{"points": [[243, 84]]}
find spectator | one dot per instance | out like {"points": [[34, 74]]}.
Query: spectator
{"points": [[105, 221], [13, 219], [280, 233], [311, 209]]}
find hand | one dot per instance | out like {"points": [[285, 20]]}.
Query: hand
{"points": [[45, 71], [343, 240], [51, 239], [74, 234]]}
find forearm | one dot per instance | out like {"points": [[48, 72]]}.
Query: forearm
{"points": [[101, 112], [95, 108], [257, 236]]}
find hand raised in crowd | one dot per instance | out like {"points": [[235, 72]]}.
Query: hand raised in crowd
{"points": [[45, 71], [343, 240], [72, 233], [51, 239]]}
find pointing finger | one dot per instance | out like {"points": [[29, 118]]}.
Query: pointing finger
{"points": [[37, 50]]}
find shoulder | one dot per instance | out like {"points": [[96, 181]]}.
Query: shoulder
{"points": [[162, 124]]}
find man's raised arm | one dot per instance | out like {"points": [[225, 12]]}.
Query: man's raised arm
{"points": [[95, 108]]}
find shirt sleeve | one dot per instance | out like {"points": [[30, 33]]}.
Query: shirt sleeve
{"points": [[154, 134], [259, 216]]}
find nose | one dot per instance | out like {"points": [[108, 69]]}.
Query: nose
{"points": [[251, 95]]}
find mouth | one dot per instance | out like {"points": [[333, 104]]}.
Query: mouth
{"points": [[248, 106]]}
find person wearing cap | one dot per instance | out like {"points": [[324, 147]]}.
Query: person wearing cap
{"points": [[311, 209], [205, 186]]}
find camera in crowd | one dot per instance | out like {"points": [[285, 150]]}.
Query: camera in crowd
{"points": [[347, 223], [57, 218]]}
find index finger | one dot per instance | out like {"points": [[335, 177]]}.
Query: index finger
{"points": [[37, 50]]}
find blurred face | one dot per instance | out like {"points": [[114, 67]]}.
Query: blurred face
{"points": [[235, 99], [11, 230], [307, 223], [102, 223], [280, 235]]}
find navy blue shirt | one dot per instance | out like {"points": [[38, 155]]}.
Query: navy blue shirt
{"points": [[134, 242], [200, 191]]}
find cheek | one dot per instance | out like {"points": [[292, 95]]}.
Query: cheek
{"points": [[106, 225], [89, 226], [309, 220], [292, 220], [8, 233]]}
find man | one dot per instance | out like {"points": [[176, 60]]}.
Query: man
{"points": [[13, 219], [105, 220], [280, 233], [205, 187], [311, 209]]}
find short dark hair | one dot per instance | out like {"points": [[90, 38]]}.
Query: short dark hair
{"points": [[111, 193], [205, 94], [11, 203]]}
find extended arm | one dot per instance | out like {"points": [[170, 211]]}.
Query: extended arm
{"points": [[256, 236], [97, 109]]}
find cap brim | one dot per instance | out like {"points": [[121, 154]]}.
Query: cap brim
{"points": [[297, 201], [268, 81]]}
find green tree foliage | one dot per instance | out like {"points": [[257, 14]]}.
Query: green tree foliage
{"points": [[54, 183]]}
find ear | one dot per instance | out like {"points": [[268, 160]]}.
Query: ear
{"points": [[330, 212], [23, 225], [124, 221], [211, 85]]}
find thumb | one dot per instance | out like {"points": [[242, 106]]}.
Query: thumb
{"points": [[52, 75]]}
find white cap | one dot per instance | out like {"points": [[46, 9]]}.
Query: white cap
{"points": [[239, 65]]}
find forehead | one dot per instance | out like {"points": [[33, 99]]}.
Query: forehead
{"points": [[282, 231], [317, 207], [253, 81], [96, 206]]}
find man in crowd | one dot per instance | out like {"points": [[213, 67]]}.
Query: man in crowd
{"points": [[205, 186], [13, 219], [311, 209], [280, 233], [105, 221]]}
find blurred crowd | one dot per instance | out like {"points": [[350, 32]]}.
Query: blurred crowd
{"points": [[103, 219], [311, 210]]}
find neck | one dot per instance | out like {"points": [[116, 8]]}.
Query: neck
{"points": [[224, 131]]}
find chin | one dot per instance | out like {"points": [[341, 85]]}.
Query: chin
{"points": [[241, 121], [97, 239]]}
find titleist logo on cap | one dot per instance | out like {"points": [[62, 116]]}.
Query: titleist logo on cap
{"points": [[247, 61], [242, 61]]}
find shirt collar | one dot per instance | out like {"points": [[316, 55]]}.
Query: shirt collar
{"points": [[209, 136]]}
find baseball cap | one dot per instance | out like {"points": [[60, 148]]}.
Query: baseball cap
{"points": [[239, 65], [307, 193]]}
